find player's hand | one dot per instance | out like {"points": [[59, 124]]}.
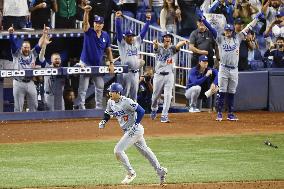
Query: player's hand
{"points": [[208, 73], [178, 12], [214, 88], [155, 43], [118, 14], [41, 5], [111, 68], [45, 29], [102, 124], [11, 29], [87, 8], [148, 16]]}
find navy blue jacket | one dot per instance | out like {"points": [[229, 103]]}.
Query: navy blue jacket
{"points": [[197, 78]]}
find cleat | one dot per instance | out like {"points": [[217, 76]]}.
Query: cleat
{"points": [[193, 110], [219, 116], [153, 115], [164, 119], [232, 117], [128, 178], [163, 173]]}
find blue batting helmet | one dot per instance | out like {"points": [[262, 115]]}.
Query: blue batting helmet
{"points": [[115, 87], [164, 34]]}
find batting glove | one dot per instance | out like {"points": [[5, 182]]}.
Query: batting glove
{"points": [[102, 124]]}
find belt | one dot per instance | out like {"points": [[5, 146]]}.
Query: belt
{"points": [[226, 66], [134, 71], [164, 73], [23, 80]]}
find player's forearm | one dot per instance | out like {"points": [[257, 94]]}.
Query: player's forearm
{"points": [[109, 54], [42, 53], [86, 24], [249, 26], [180, 44]]}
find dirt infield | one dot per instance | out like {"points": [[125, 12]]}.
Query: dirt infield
{"points": [[182, 124]]}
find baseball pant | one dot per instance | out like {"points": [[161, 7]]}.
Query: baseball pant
{"points": [[82, 90], [134, 136], [166, 83], [20, 89], [192, 95], [53, 103], [130, 82], [228, 79]]}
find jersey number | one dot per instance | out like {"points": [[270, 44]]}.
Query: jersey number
{"points": [[125, 118], [169, 61]]}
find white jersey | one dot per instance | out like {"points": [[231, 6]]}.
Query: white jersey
{"points": [[129, 53], [15, 8], [124, 111], [165, 59], [229, 49]]}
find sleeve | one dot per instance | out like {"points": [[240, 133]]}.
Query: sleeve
{"points": [[118, 29], [37, 49], [130, 104], [108, 43], [174, 49], [144, 29], [156, 51], [13, 44], [140, 113], [268, 53], [210, 28], [214, 6], [192, 38]]}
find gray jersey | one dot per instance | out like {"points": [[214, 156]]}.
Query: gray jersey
{"points": [[165, 59], [124, 111], [24, 62], [229, 49], [129, 53]]}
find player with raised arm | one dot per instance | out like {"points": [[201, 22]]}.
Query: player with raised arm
{"points": [[96, 43], [129, 115], [129, 48], [164, 74], [228, 44]]}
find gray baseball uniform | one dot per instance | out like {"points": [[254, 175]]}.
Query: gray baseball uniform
{"points": [[129, 56], [163, 77], [53, 92], [23, 86], [229, 58], [125, 112]]}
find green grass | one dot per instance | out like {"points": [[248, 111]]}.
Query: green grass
{"points": [[196, 159]]}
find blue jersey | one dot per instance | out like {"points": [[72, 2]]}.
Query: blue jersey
{"points": [[94, 47], [197, 78]]}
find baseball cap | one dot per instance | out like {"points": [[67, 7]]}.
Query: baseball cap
{"points": [[99, 19], [280, 13], [203, 58], [229, 27], [129, 33], [238, 21]]}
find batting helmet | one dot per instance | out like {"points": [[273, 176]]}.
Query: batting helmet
{"points": [[164, 34], [115, 87]]}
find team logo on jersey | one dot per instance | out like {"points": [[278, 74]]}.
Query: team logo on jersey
{"points": [[163, 57], [27, 61], [118, 113], [133, 52], [104, 40], [228, 48]]}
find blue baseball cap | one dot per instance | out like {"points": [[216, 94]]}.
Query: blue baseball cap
{"points": [[129, 33], [280, 13], [229, 27], [203, 58], [238, 21], [99, 19]]}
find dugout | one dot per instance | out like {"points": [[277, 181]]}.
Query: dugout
{"points": [[276, 90]]}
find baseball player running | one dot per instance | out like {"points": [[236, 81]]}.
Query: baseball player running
{"points": [[129, 115], [164, 76], [129, 48], [24, 57], [96, 42], [228, 44]]}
